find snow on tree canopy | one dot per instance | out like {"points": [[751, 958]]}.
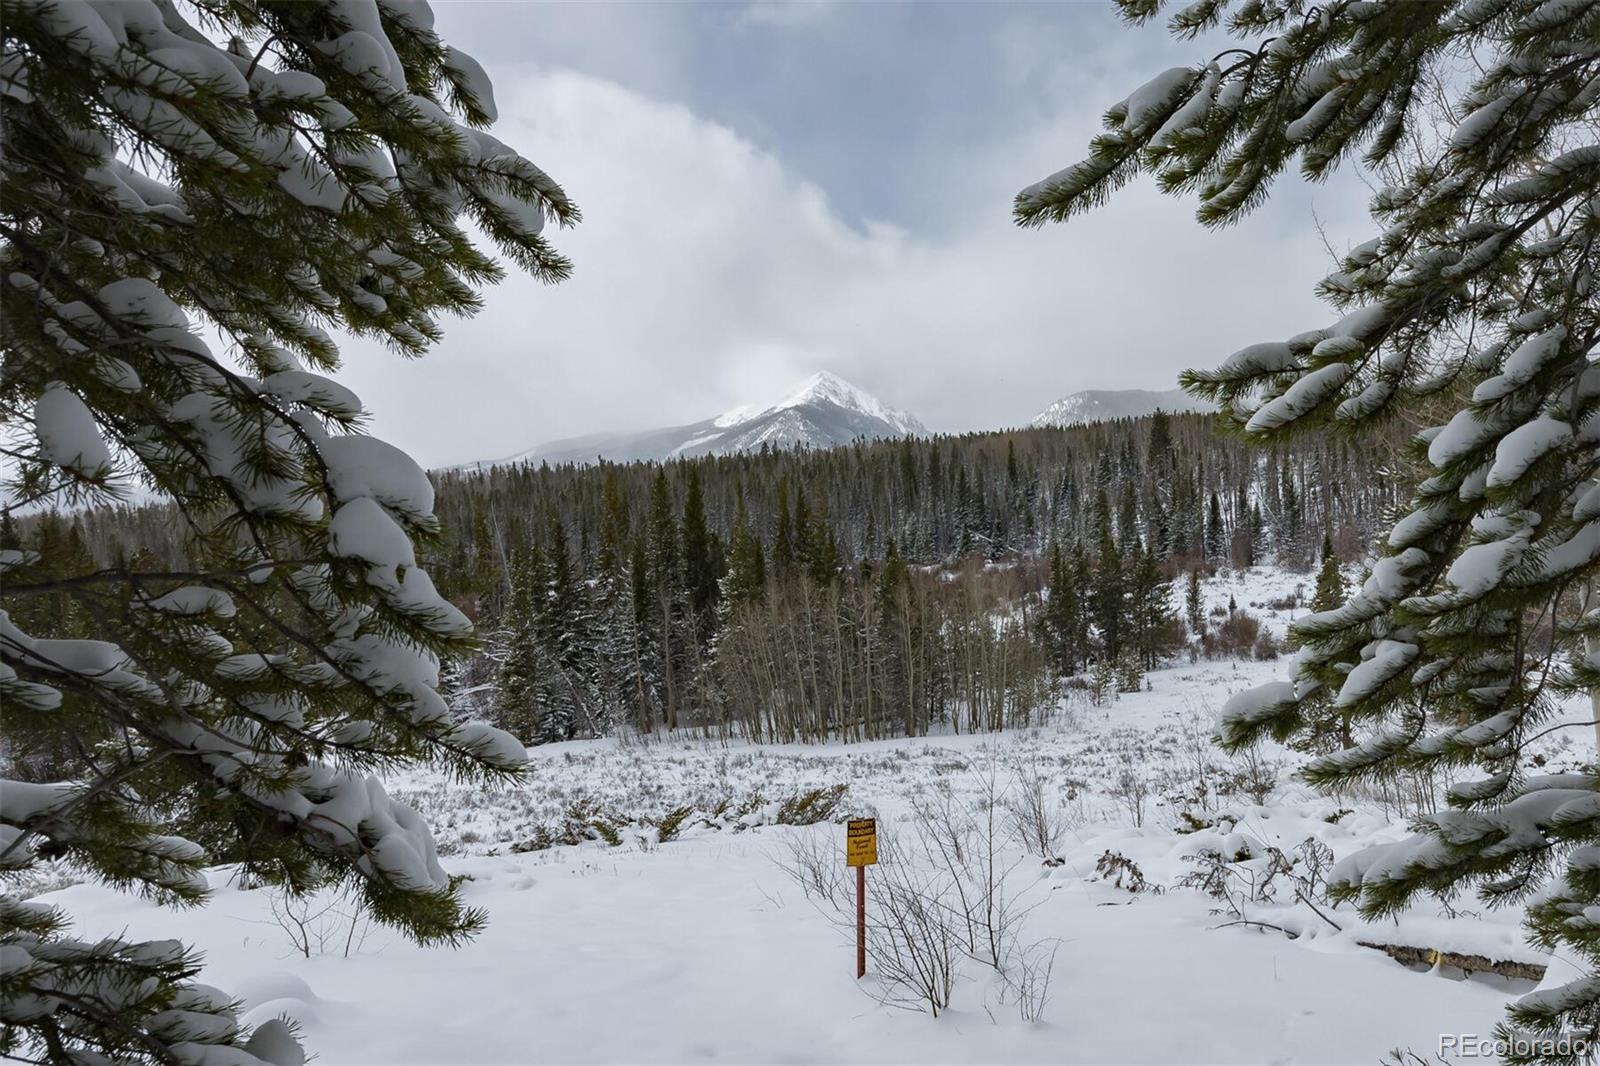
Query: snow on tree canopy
{"points": [[1306, 394], [360, 466], [1389, 660], [68, 436], [194, 600], [1524, 446], [1476, 297], [273, 175], [1154, 97], [1481, 567], [362, 529]]}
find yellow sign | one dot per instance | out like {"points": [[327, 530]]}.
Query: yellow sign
{"points": [[861, 842]]}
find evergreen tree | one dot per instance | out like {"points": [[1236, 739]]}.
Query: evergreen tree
{"points": [[1256, 535], [1129, 671], [1059, 619], [664, 585], [570, 694], [1083, 584], [1291, 526], [746, 579], [523, 666], [1103, 686], [1110, 607], [1149, 608], [1127, 518], [1330, 592], [803, 529], [251, 176], [1194, 605], [490, 574], [783, 545], [894, 637], [700, 572], [1160, 451], [618, 652], [1216, 533], [1487, 234]]}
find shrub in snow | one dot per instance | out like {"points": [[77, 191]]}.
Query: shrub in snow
{"points": [[1237, 637], [946, 891], [1476, 296], [307, 173]]}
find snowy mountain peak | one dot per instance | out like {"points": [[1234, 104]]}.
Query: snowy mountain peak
{"points": [[1101, 405], [827, 388], [822, 411]]}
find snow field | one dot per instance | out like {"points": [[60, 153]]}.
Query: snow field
{"points": [[703, 948]]}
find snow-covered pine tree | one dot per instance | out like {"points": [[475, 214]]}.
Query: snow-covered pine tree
{"points": [[1127, 518], [1083, 583], [1478, 293], [1149, 608], [1194, 605], [1216, 533], [746, 579], [1110, 592], [570, 703], [699, 556], [619, 670], [1290, 536], [1330, 592], [663, 608], [523, 665], [305, 174], [1058, 619]]}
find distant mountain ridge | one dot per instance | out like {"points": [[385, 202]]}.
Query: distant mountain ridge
{"points": [[821, 412], [1101, 405]]}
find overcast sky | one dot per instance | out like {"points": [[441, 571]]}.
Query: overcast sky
{"points": [[774, 189]]}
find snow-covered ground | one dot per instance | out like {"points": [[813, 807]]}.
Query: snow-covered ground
{"points": [[704, 948]]}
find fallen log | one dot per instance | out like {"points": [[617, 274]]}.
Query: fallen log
{"points": [[1430, 957]]}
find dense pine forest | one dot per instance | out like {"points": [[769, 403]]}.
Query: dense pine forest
{"points": [[884, 588]]}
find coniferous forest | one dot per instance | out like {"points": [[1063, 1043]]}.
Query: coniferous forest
{"points": [[885, 588]]}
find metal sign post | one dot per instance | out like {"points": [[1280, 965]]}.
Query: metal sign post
{"points": [[861, 851]]}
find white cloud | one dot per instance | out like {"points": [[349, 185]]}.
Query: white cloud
{"points": [[709, 274], [785, 14]]}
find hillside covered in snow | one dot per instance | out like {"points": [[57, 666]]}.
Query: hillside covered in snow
{"points": [[821, 412], [1103, 405]]}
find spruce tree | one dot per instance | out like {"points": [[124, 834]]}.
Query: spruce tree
{"points": [[1110, 607], [1256, 533], [617, 651], [1216, 533], [523, 666], [159, 188], [1291, 526], [1330, 592], [700, 574], [1083, 583], [783, 536], [1149, 608], [1194, 605], [746, 579], [1160, 450], [893, 628], [665, 599], [569, 703], [1476, 297], [1127, 517], [1059, 619]]}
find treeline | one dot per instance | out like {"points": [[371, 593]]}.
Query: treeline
{"points": [[876, 589]]}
